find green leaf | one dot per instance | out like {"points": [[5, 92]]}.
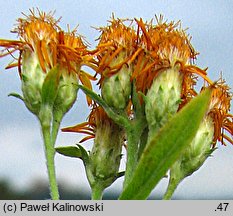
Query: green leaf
{"points": [[50, 86], [16, 95], [165, 148], [70, 151], [85, 156], [74, 151], [93, 96]]}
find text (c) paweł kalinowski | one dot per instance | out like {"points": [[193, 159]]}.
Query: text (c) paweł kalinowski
{"points": [[60, 207]]}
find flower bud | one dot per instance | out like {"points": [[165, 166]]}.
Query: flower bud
{"points": [[196, 154], [105, 155], [163, 98], [164, 72], [37, 46], [32, 81], [116, 89], [115, 51], [69, 62], [49, 63], [104, 160], [67, 92], [210, 131]]}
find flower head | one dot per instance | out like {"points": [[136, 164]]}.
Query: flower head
{"points": [[43, 47], [167, 41], [38, 36], [116, 40], [211, 130], [97, 119], [219, 112], [115, 52], [41, 36], [105, 156], [164, 46], [72, 54]]}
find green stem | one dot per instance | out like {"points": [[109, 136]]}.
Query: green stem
{"points": [[133, 137], [143, 142], [55, 126], [173, 183], [97, 193], [134, 130], [50, 153]]}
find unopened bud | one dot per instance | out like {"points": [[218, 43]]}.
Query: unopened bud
{"points": [[163, 97], [105, 156], [67, 92], [116, 89], [32, 81], [196, 153]]}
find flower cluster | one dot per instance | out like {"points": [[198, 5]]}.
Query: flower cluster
{"points": [[159, 59], [42, 46]]}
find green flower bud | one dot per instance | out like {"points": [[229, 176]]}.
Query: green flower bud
{"points": [[193, 157], [198, 151], [57, 88], [102, 163], [116, 49], [163, 98], [49, 63], [32, 81], [105, 156], [67, 92], [116, 89]]}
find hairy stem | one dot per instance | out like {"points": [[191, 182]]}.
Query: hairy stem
{"points": [[50, 153], [133, 137], [55, 126], [97, 193], [173, 183]]}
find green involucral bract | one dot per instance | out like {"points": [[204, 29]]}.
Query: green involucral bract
{"points": [[162, 99], [56, 88], [193, 157], [105, 156], [198, 151], [67, 92], [116, 88], [32, 81]]}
